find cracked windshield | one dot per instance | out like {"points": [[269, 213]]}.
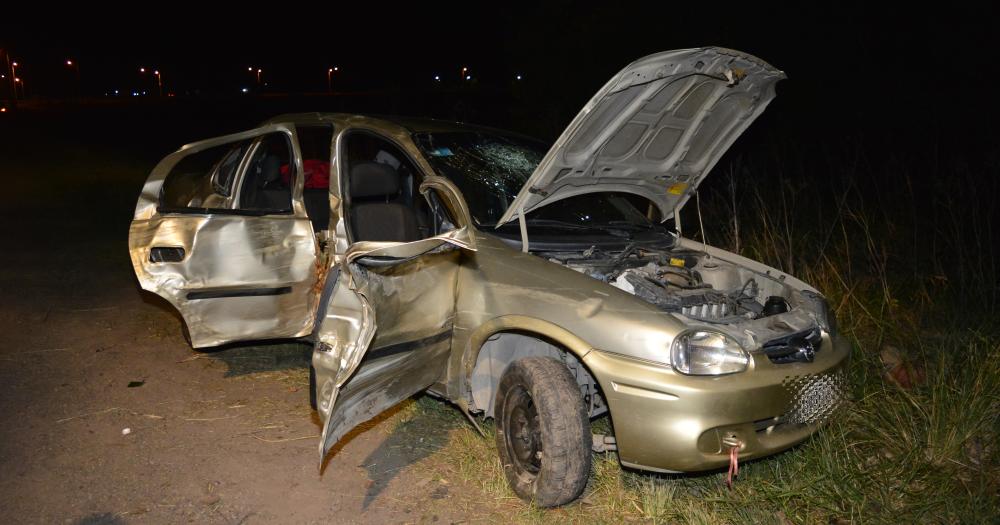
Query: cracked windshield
{"points": [[490, 170]]}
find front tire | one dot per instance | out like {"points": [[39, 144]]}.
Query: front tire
{"points": [[543, 432]]}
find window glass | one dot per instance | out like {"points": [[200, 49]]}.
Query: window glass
{"points": [[203, 179], [267, 182], [488, 168]]}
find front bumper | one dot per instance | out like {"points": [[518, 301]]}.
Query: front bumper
{"points": [[665, 421]]}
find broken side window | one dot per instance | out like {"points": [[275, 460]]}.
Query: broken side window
{"points": [[203, 179]]}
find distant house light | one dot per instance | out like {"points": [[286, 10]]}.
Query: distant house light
{"points": [[244, 90]]}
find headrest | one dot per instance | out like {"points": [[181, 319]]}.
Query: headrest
{"points": [[373, 179]]}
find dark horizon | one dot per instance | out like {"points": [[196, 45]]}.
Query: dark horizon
{"points": [[901, 69]]}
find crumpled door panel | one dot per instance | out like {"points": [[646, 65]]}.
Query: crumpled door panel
{"points": [[407, 292], [241, 277]]}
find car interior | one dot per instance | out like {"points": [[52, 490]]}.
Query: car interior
{"points": [[267, 185], [314, 142], [384, 202], [264, 189]]}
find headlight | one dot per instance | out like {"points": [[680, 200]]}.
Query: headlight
{"points": [[707, 353]]}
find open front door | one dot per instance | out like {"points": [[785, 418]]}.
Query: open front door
{"points": [[220, 231], [386, 331]]}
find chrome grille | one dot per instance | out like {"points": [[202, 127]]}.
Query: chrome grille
{"points": [[814, 397]]}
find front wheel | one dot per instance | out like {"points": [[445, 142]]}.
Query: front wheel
{"points": [[543, 433]]}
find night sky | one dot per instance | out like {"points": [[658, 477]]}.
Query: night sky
{"points": [[858, 63]]}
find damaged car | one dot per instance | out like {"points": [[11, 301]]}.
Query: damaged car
{"points": [[538, 286]]}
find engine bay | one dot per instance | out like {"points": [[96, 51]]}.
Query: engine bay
{"points": [[700, 289]]}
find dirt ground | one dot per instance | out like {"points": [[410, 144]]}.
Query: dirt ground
{"points": [[108, 416]]}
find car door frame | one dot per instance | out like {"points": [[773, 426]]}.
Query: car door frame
{"points": [[347, 325], [230, 304]]}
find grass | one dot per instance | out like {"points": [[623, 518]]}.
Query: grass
{"points": [[908, 263]]}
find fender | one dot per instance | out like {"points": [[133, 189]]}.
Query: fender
{"points": [[521, 323]]}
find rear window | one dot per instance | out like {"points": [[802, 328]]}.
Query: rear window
{"points": [[203, 179]]}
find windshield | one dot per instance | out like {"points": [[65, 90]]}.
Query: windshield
{"points": [[490, 169]]}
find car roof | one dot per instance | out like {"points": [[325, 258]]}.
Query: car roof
{"points": [[410, 124]]}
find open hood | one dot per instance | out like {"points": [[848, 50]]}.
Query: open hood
{"points": [[655, 129]]}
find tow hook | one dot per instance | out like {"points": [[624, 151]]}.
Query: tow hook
{"points": [[734, 444]]}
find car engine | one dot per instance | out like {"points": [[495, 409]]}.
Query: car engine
{"points": [[701, 289]]}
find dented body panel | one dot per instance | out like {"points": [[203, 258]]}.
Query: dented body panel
{"points": [[236, 276], [449, 312], [392, 307]]}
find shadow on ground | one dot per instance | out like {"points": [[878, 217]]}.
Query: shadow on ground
{"points": [[270, 357], [421, 432], [106, 518]]}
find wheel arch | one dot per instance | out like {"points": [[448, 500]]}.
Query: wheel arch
{"points": [[497, 343]]}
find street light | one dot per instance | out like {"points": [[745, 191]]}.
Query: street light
{"points": [[159, 82], [76, 69], [259, 71], [329, 78], [464, 69], [13, 75]]}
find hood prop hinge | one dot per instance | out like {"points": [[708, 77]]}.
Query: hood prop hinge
{"points": [[524, 229]]}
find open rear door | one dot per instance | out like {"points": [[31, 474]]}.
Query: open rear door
{"points": [[221, 232], [386, 330]]}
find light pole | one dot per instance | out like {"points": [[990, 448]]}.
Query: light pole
{"points": [[18, 81], [464, 69], [159, 82], [329, 78], [257, 72], [75, 66], [13, 77]]}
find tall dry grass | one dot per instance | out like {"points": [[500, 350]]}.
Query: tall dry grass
{"points": [[905, 251]]}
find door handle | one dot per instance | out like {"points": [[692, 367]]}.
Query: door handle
{"points": [[162, 254]]}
